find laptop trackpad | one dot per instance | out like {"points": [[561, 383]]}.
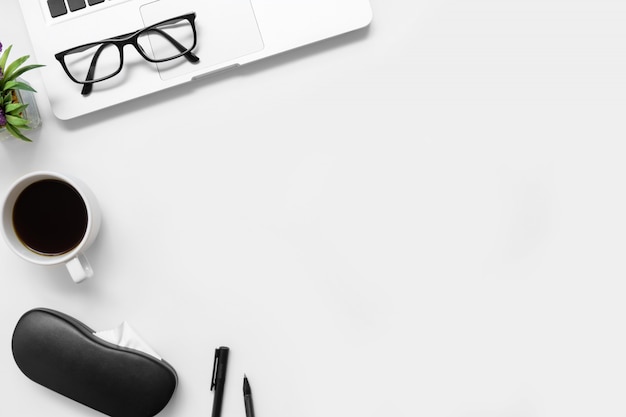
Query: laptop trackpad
{"points": [[226, 30]]}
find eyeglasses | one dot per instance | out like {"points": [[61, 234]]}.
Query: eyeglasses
{"points": [[98, 61]]}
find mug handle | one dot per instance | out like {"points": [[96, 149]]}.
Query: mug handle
{"points": [[79, 268]]}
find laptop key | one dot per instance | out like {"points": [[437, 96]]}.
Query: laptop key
{"points": [[92, 2], [57, 8], [76, 4]]}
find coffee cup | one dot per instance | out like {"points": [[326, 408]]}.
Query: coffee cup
{"points": [[50, 218]]}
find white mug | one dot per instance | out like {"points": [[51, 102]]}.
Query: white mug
{"points": [[87, 229]]}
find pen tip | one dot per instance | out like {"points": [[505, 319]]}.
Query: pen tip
{"points": [[246, 385]]}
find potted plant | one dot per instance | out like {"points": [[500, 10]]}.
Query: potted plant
{"points": [[16, 96]]}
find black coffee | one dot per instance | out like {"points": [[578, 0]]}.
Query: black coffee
{"points": [[50, 217]]}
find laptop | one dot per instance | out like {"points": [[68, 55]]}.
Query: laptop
{"points": [[227, 34]]}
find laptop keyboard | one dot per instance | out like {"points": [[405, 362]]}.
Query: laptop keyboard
{"points": [[62, 7]]}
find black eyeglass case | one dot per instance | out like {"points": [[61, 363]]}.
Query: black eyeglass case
{"points": [[62, 354]]}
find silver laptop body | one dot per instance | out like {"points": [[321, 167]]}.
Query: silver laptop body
{"points": [[228, 33]]}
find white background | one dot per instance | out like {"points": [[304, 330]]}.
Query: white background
{"points": [[425, 218]]}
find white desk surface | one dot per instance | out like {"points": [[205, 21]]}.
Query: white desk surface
{"points": [[425, 218]]}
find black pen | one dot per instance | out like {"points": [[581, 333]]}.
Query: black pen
{"points": [[247, 397], [219, 378]]}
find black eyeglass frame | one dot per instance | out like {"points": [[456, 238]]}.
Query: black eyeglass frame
{"points": [[130, 38]]}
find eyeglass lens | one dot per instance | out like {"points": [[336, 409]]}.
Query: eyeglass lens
{"points": [[107, 56], [167, 41], [160, 43]]}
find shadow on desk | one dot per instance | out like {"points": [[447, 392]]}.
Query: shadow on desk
{"points": [[244, 70]]}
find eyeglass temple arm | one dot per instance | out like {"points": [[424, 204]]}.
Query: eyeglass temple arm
{"points": [[92, 69]]}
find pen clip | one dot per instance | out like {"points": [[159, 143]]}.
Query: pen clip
{"points": [[215, 364]]}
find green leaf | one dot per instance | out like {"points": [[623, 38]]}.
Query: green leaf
{"points": [[15, 65], [21, 86], [14, 108], [9, 85], [16, 132], [16, 121], [16, 73], [8, 98], [4, 57]]}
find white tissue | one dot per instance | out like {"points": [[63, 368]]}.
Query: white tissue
{"points": [[126, 336]]}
